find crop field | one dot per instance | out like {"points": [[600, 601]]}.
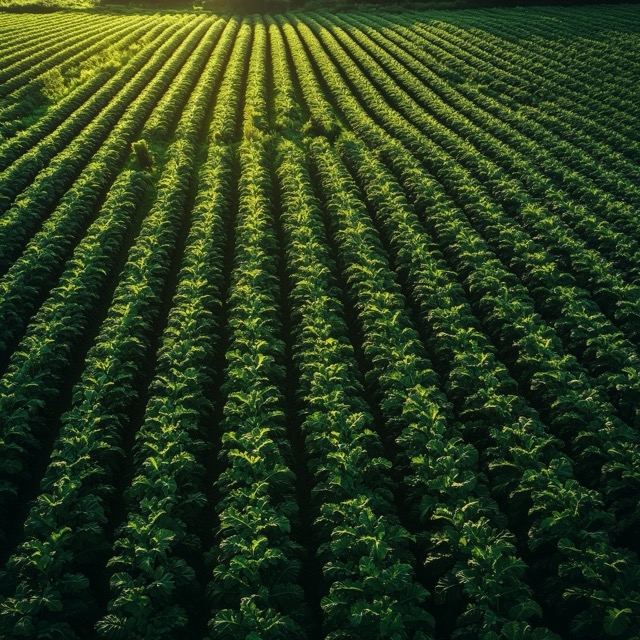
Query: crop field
{"points": [[320, 325]]}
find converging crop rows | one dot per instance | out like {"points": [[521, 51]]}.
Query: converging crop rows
{"points": [[320, 325]]}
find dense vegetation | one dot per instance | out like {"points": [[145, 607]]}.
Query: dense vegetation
{"points": [[320, 325], [243, 7]]}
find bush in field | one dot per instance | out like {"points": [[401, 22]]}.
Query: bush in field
{"points": [[143, 155]]}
